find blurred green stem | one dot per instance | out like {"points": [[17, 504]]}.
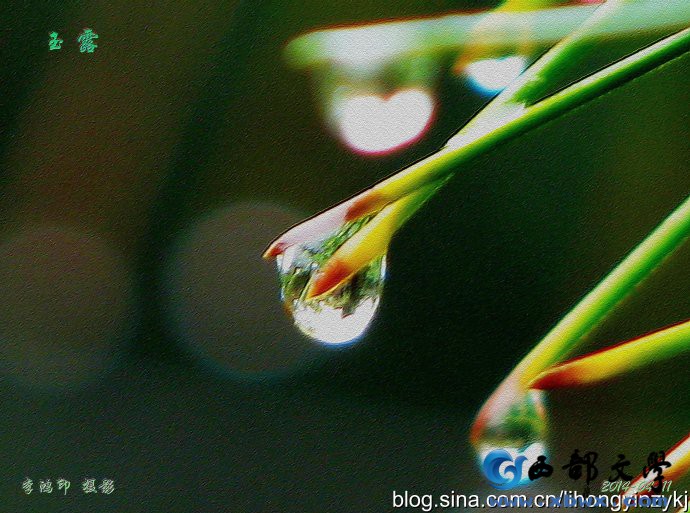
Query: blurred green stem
{"points": [[379, 44], [539, 77], [461, 150]]}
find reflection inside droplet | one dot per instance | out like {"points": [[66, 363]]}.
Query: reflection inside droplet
{"points": [[514, 422], [490, 76], [340, 316], [344, 315]]}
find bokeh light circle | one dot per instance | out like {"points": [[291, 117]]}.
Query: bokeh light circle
{"points": [[66, 307], [223, 299]]}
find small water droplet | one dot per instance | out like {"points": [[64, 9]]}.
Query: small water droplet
{"points": [[520, 429], [491, 76], [337, 317]]}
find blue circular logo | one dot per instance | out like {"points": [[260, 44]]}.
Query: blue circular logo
{"points": [[511, 475]]}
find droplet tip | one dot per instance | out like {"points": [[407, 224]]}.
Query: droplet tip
{"points": [[275, 249]]}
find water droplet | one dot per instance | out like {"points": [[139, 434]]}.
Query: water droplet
{"points": [[342, 315], [491, 76], [374, 125], [520, 429]]}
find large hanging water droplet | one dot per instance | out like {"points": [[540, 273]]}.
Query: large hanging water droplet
{"points": [[337, 317]]}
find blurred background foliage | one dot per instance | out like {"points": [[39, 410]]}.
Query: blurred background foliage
{"points": [[141, 336]]}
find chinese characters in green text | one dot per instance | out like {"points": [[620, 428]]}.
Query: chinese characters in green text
{"points": [[106, 486], [86, 41]]}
